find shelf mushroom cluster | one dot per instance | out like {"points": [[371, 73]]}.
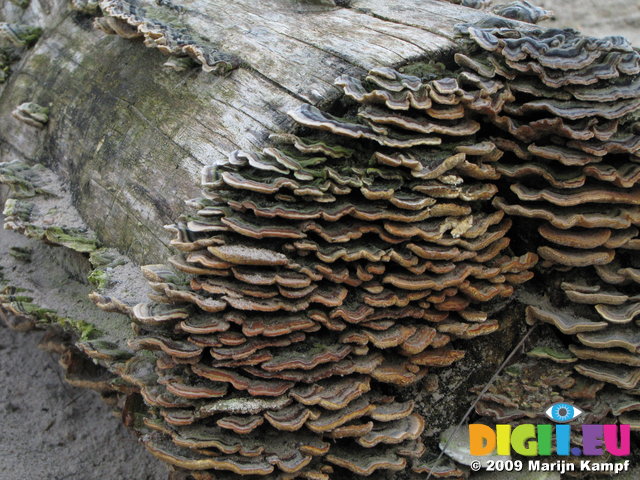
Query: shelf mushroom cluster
{"points": [[550, 381], [315, 272], [521, 10], [128, 20], [550, 377], [571, 168], [15, 38]]}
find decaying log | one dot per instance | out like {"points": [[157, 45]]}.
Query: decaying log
{"points": [[131, 134], [355, 175]]}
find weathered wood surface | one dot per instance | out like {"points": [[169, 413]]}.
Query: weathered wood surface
{"points": [[130, 136]]}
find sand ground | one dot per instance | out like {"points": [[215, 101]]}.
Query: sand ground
{"points": [[52, 431], [597, 17]]}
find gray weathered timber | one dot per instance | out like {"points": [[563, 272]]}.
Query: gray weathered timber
{"points": [[130, 136]]}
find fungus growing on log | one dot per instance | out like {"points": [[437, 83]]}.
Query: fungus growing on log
{"points": [[32, 114], [90, 7], [332, 262], [571, 150], [522, 10], [547, 381], [15, 38], [128, 21], [19, 35], [479, 4], [324, 277]]}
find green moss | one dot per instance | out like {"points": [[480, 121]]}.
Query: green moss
{"points": [[23, 35], [18, 208], [21, 3], [554, 354], [21, 254], [104, 257], [85, 330], [99, 279], [102, 260], [32, 231], [513, 370], [46, 316], [71, 238], [6, 59], [31, 35], [13, 174], [23, 305], [427, 70]]}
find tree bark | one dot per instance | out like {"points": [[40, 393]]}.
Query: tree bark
{"points": [[130, 136]]}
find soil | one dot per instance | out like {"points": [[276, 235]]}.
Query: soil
{"points": [[52, 431]]}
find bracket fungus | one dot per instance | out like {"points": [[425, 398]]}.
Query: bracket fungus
{"points": [[90, 7], [479, 4], [524, 390], [19, 35], [313, 273], [32, 114], [15, 38], [320, 278], [523, 11], [571, 147], [129, 20]]}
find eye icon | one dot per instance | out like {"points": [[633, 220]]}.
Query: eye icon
{"points": [[563, 412]]}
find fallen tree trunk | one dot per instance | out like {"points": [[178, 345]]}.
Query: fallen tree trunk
{"points": [[129, 128], [352, 237], [130, 134]]}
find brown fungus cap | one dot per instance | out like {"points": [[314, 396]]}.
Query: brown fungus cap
{"points": [[566, 322], [620, 376], [608, 355], [626, 337]]}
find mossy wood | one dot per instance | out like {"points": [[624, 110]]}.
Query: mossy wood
{"points": [[130, 135]]}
